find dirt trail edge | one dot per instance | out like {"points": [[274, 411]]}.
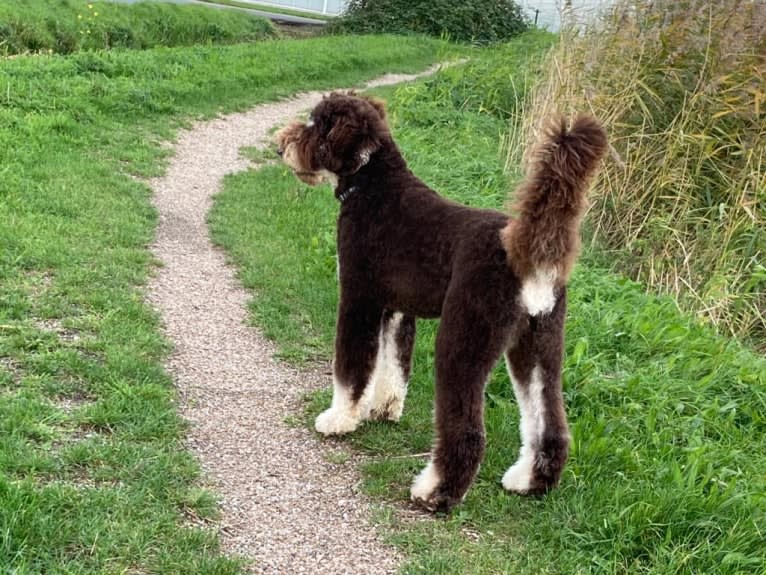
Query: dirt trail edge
{"points": [[285, 507]]}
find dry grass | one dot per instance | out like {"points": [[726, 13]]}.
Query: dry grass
{"points": [[681, 204]]}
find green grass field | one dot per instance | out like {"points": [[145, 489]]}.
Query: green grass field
{"points": [[93, 476], [667, 473], [66, 26]]}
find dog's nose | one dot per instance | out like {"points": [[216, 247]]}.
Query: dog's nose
{"points": [[280, 151]]}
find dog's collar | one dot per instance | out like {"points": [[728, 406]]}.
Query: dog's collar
{"points": [[345, 194]]}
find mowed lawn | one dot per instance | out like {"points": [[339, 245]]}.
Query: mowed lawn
{"points": [[667, 473], [93, 476]]}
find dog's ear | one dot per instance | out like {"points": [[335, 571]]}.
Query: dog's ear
{"points": [[356, 135], [378, 104]]}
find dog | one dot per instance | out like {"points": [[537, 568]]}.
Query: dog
{"points": [[497, 282]]}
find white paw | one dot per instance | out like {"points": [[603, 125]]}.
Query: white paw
{"points": [[395, 409], [335, 421], [425, 484], [518, 478]]}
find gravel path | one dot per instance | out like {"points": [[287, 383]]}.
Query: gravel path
{"points": [[284, 505]]}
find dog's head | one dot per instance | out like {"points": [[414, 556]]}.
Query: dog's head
{"points": [[342, 133]]}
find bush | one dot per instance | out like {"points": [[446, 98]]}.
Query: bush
{"points": [[495, 81], [479, 21], [65, 26], [682, 205]]}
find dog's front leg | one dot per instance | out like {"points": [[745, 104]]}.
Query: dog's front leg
{"points": [[356, 347], [392, 366]]}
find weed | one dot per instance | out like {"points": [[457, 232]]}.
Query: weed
{"points": [[260, 155], [337, 457], [679, 86]]}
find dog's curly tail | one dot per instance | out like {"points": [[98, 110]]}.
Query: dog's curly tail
{"points": [[544, 237]]}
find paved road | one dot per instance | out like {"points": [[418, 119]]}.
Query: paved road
{"points": [[283, 18]]}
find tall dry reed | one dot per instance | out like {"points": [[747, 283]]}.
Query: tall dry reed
{"points": [[681, 203]]}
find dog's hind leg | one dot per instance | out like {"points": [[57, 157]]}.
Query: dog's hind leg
{"points": [[468, 345], [534, 364], [356, 348], [392, 366]]}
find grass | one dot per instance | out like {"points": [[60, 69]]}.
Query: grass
{"points": [[681, 90], [271, 8], [66, 26], [93, 474], [667, 472]]}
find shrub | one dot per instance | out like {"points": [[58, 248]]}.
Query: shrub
{"points": [[682, 205], [479, 21]]}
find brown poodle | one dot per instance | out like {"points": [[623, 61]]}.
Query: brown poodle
{"points": [[498, 283]]}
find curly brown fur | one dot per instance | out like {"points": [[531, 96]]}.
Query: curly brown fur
{"points": [[552, 200], [497, 283]]}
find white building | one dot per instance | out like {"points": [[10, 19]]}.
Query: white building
{"points": [[548, 12]]}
